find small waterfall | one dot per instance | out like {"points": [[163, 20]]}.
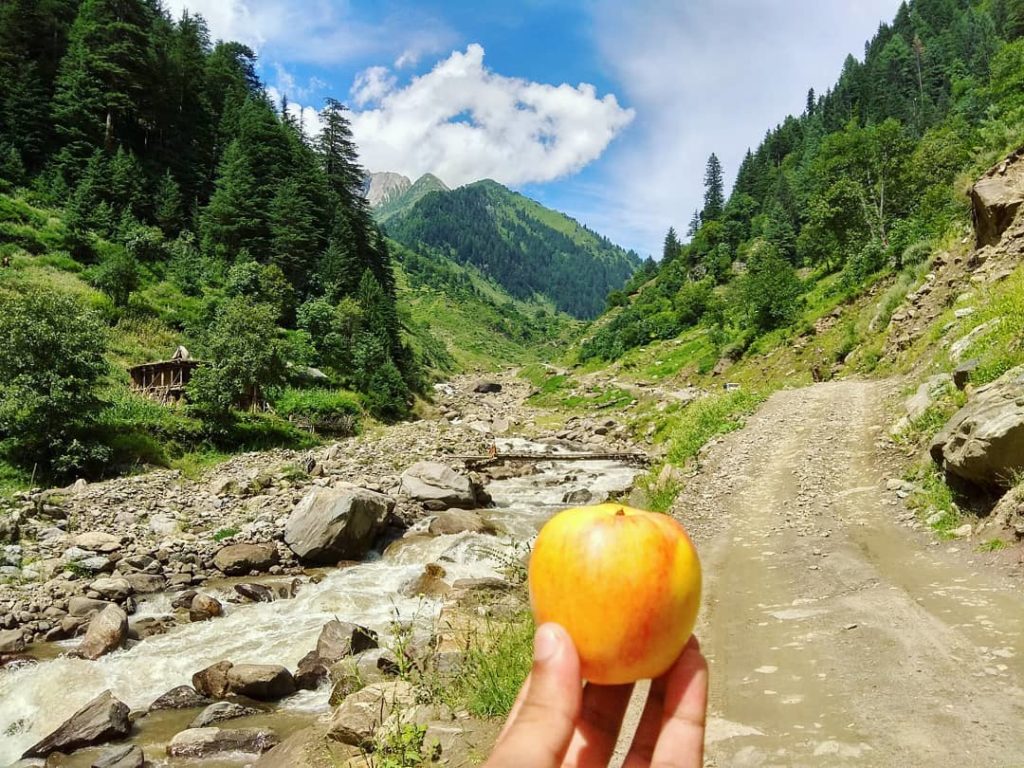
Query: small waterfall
{"points": [[36, 699]]}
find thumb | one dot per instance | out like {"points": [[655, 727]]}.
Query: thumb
{"points": [[543, 719]]}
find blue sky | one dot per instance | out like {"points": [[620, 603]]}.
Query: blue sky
{"points": [[603, 109]]}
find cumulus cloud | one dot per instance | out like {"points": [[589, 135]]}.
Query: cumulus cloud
{"points": [[463, 122], [708, 77], [307, 117]]}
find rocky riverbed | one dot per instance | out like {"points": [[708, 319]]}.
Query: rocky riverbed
{"points": [[233, 584]]}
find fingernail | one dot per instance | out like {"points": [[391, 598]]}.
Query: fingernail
{"points": [[545, 643]]}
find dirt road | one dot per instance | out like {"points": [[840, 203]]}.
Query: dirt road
{"points": [[837, 636]]}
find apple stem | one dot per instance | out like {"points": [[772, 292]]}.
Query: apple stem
{"points": [[621, 512]]}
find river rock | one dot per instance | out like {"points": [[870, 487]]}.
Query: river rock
{"points": [[102, 719], [146, 583], [128, 756], [359, 716], [311, 672], [430, 583], [256, 593], [487, 387], [983, 442], [455, 521], [205, 742], [112, 588], [204, 607], [332, 524], [437, 485], [339, 639], [213, 681], [242, 559], [81, 606], [996, 199], [310, 748], [220, 711], [182, 697], [106, 632], [11, 641], [263, 682]]}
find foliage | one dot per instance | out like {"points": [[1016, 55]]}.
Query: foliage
{"points": [[117, 276], [337, 410], [497, 664], [51, 364]]}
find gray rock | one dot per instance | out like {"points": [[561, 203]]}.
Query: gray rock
{"points": [[220, 711], [256, 593], [206, 742], [983, 442], [996, 198], [263, 682], [964, 371], [128, 756], [360, 715], [112, 588], [438, 484], [11, 641], [97, 541], [311, 672], [459, 520], [106, 632], [339, 639], [577, 496], [102, 719], [182, 697], [146, 583], [333, 524], [80, 606], [242, 559], [487, 387]]}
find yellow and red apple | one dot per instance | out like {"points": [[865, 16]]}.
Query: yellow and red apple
{"points": [[624, 583]]}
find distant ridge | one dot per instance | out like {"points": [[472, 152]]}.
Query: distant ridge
{"points": [[399, 198]]}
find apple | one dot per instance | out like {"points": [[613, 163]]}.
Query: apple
{"points": [[624, 583]]}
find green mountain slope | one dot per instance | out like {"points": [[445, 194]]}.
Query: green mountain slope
{"points": [[420, 188], [529, 250]]}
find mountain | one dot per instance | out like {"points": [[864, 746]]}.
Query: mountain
{"points": [[529, 250], [381, 188], [400, 203]]}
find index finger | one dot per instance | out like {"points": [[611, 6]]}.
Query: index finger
{"points": [[681, 742]]}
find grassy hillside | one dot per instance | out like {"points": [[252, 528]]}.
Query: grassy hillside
{"points": [[532, 252]]}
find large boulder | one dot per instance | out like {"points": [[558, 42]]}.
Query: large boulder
{"points": [[459, 520], [220, 711], [182, 697], [205, 742], [213, 680], [333, 524], [102, 719], [204, 607], [106, 632], [438, 486], [242, 559], [11, 641], [360, 715], [984, 441], [112, 588], [263, 682], [996, 198], [339, 639]]}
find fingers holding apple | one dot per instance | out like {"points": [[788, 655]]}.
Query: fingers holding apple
{"points": [[624, 583]]}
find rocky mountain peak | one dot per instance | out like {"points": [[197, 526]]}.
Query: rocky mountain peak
{"points": [[382, 188]]}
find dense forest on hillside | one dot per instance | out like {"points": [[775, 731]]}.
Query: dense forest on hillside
{"points": [[525, 248], [864, 181], [186, 201]]}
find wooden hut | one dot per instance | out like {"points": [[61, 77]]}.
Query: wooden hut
{"points": [[165, 380]]}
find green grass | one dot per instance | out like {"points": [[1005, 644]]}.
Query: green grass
{"points": [[224, 533], [687, 430], [195, 464], [933, 495], [993, 545], [1002, 347], [497, 663]]}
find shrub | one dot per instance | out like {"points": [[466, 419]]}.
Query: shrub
{"points": [[334, 410]]}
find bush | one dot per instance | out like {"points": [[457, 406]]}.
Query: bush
{"points": [[333, 410]]}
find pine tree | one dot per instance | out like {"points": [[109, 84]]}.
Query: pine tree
{"points": [[126, 190], [295, 239], [167, 205], [694, 226], [811, 103], [714, 190], [671, 248], [235, 219]]}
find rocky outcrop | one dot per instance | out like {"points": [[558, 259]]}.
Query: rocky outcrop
{"points": [[243, 559], [438, 486], [207, 742], [984, 441], [107, 631], [333, 524], [102, 719], [996, 198]]}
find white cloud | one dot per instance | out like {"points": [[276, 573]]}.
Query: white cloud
{"points": [[708, 78], [320, 32], [307, 117], [463, 122]]}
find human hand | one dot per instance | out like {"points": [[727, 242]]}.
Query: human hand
{"points": [[557, 722]]}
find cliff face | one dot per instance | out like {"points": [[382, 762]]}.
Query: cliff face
{"points": [[382, 188]]}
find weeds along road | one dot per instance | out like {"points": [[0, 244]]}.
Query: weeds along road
{"points": [[835, 635]]}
